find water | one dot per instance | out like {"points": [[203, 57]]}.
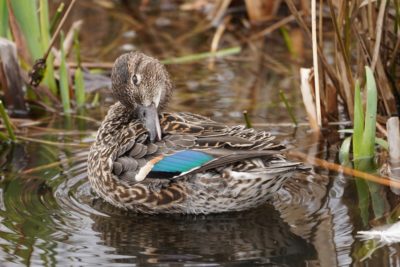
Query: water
{"points": [[49, 216]]}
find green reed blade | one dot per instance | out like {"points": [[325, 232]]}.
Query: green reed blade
{"points": [[368, 140], [288, 41], [56, 18], [4, 137], [200, 56], [378, 202], [77, 48], [287, 106], [4, 31], [363, 199], [344, 152], [64, 86], [382, 143], [365, 162], [79, 88], [247, 119], [96, 99], [79, 81], [6, 121], [28, 19], [358, 122], [45, 34]]}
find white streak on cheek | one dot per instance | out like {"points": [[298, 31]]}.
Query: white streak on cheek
{"points": [[146, 103], [158, 97]]}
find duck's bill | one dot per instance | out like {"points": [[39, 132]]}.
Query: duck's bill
{"points": [[149, 117]]}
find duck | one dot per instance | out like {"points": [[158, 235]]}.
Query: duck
{"points": [[147, 160]]}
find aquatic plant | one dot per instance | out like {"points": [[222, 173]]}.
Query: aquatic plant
{"points": [[7, 124], [64, 85], [288, 107], [34, 34], [363, 147], [79, 82], [358, 26]]}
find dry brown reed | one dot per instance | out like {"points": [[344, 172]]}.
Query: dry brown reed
{"points": [[365, 33]]}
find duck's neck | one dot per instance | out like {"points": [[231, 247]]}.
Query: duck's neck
{"points": [[117, 118], [118, 113]]}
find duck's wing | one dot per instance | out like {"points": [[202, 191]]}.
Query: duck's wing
{"points": [[193, 144]]}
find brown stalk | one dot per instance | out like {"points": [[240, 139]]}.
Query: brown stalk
{"points": [[379, 29], [385, 90], [347, 89], [386, 181], [57, 32], [395, 52], [216, 38], [332, 74], [341, 45], [381, 129], [221, 10], [315, 60], [36, 74], [274, 27]]}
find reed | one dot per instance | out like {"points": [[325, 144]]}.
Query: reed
{"points": [[79, 82], [204, 55], [4, 31], [28, 20], [56, 18], [7, 122], [247, 119], [364, 140], [64, 83], [366, 147], [288, 41], [288, 107], [33, 33], [45, 40], [365, 32]]}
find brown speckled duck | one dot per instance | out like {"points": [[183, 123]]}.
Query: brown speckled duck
{"points": [[150, 161]]}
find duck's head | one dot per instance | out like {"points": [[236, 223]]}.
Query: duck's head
{"points": [[142, 84]]}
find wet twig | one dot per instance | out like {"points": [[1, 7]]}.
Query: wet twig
{"points": [[386, 181]]}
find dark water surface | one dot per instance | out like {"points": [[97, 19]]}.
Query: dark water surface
{"points": [[49, 217]]}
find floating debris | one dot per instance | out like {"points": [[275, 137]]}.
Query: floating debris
{"points": [[385, 235]]}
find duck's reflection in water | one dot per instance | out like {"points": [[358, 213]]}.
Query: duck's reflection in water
{"points": [[315, 210], [254, 237]]}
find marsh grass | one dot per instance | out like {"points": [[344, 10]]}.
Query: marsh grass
{"points": [[4, 30], [34, 35], [288, 107], [7, 124], [363, 142], [45, 40], [64, 78], [365, 33], [79, 82]]}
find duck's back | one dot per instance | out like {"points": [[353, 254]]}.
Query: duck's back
{"points": [[199, 166]]}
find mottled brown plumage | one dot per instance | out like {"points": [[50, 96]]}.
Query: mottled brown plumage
{"points": [[245, 170]]}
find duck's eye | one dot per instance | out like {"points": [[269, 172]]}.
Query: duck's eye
{"points": [[135, 79]]}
